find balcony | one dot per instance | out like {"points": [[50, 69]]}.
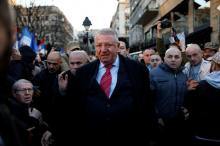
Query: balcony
{"points": [[145, 12]]}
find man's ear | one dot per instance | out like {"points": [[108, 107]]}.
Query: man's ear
{"points": [[14, 93], [118, 44]]}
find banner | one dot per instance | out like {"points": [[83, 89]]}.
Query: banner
{"points": [[34, 43]]}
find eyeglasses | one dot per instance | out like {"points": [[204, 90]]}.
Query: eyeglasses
{"points": [[29, 90]]}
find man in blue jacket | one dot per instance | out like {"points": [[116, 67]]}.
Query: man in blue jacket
{"points": [[169, 87]]}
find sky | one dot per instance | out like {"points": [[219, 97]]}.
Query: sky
{"points": [[203, 3], [100, 12]]}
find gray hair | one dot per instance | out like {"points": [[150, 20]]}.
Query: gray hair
{"points": [[81, 53], [18, 83], [193, 46], [107, 31]]}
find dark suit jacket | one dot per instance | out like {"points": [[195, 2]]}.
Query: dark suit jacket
{"points": [[126, 116], [203, 105]]}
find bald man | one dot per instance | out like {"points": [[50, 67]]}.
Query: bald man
{"points": [[53, 62], [197, 68], [76, 60], [47, 82], [169, 87]]}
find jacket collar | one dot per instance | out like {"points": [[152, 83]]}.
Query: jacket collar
{"points": [[165, 67]]}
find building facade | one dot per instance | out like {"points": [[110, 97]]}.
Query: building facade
{"points": [[142, 12], [198, 19], [46, 22], [12, 2], [120, 20]]}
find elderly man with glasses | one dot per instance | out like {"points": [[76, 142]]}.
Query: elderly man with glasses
{"points": [[28, 118]]}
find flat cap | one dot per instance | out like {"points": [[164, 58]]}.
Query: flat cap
{"points": [[211, 45]]}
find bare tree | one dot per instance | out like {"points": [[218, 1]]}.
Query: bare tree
{"points": [[46, 21], [32, 16]]}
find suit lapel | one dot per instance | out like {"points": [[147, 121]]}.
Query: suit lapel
{"points": [[94, 85], [120, 78]]}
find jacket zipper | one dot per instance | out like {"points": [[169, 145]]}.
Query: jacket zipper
{"points": [[176, 97]]}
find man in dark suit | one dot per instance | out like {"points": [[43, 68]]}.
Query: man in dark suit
{"points": [[112, 99]]}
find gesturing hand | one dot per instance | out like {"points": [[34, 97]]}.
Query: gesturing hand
{"points": [[46, 138], [62, 82], [192, 84], [33, 112]]}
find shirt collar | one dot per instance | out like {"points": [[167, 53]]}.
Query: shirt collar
{"points": [[115, 64]]}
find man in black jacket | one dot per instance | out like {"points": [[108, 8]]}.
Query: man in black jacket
{"points": [[204, 107], [47, 83], [111, 97]]}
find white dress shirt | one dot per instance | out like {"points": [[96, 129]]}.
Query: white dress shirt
{"points": [[114, 74]]}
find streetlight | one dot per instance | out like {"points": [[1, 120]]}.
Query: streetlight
{"points": [[86, 24]]}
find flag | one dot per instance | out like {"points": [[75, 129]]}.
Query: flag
{"points": [[34, 43], [26, 37], [16, 44], [41, 45]]}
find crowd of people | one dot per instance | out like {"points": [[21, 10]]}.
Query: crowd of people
{"points": [[59, 99]]}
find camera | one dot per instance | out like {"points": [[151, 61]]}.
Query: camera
{"points": [[165, 23]]}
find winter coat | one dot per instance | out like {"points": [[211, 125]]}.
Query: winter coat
{"points": [[169, 88], [204, 109]]}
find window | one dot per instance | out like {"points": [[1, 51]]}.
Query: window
{"points": [[202, 13]]}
